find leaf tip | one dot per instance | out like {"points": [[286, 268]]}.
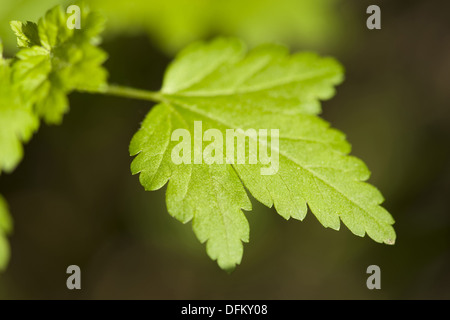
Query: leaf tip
{"points": [[390, 241]]}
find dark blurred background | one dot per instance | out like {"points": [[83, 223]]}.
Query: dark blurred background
{"points": [[74, 201]]}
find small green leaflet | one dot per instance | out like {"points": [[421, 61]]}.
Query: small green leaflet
{"points": [[5, 229], [55, 60], [226, 87]]}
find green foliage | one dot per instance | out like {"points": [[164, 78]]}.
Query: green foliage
{"points": [[5, 229], [17, 124], [17, 121], [172, 24], [221, 85], [225, 87], [55, 60], [22, 10]]}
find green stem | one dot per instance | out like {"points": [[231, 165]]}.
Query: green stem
{"points": [[127, 92]]}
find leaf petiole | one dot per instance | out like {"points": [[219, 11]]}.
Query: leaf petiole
{"points": [[127, 92]]}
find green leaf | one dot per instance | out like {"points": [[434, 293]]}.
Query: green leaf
{"points": [[17, 121], [21, 10], [210, 195], [55, 60], [26, 33], [225, 87], [5, 229]]}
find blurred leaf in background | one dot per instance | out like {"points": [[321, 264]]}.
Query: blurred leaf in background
{"points": [[172, 24], [5, 228], [175, 23]]}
